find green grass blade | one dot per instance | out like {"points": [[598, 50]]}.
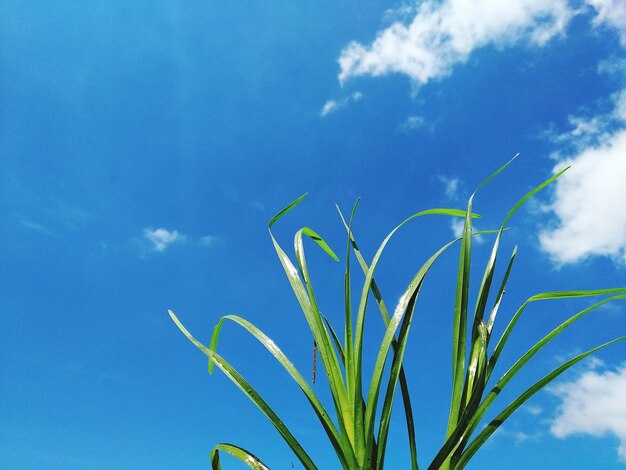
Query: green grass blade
{"points": [[348, 334], [519, 401], [468, 425], [239, 453], [322, 338], [312, 316], [336, 341], [496, 173], [544, 296], [288, 208], [531, 193], [341, 354], [342, 446], [252, 394], [480, 335], [459, 328], [360, 321], [407, 300], [404, 388], [485, 286], [320, 242], [459, 322], [515, 368], [476, 365], [501, 291], [385, 418]]}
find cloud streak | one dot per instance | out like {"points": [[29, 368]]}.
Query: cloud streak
{"points": [[333, 105]]}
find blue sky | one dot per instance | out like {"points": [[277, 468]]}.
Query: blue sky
{"points": [[145, 145]]}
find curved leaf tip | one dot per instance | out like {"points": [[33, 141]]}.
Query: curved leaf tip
{"points": [[285, 210]]}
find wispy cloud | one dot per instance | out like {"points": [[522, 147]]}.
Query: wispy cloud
{"points": [[593, 404], [207, 240], [161, 238], [533, 410], [611, 13], [415, 122], [438, 35], [518, 437], [451, 187], [333, 105], [38, 228]]}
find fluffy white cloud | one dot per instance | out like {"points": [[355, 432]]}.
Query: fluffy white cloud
{"points": [[593, 404], [442, 34], [589, 198], [333, 105], [161, 238]]}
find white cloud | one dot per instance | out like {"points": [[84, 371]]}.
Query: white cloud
{"points": [[594, 405], [589, 198], [38, 228], [333, 105], [456, 225], [611, 13], [612, 67], [442, 34], [414, 122], [591, 131], [533, 410], [162, 238], [207, 240], [451, 186]]}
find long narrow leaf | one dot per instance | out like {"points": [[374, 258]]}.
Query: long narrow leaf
{"points": [[336, 341], [480, 335], [358, 338], [519, 401], [467, 426], [406, 300], [459, 322], [239, 453], [385, 418], [342, 447], [459, 325], [485, 286], [402, 377], [501, 291], [404, 388], [252, 394], [515, 368], [349, 363], [544, 296], [320, 335]]}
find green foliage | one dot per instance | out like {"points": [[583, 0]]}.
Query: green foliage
{"points": [[357, 436]]}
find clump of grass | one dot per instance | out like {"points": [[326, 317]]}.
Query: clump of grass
{"points": [[358, 437]]}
